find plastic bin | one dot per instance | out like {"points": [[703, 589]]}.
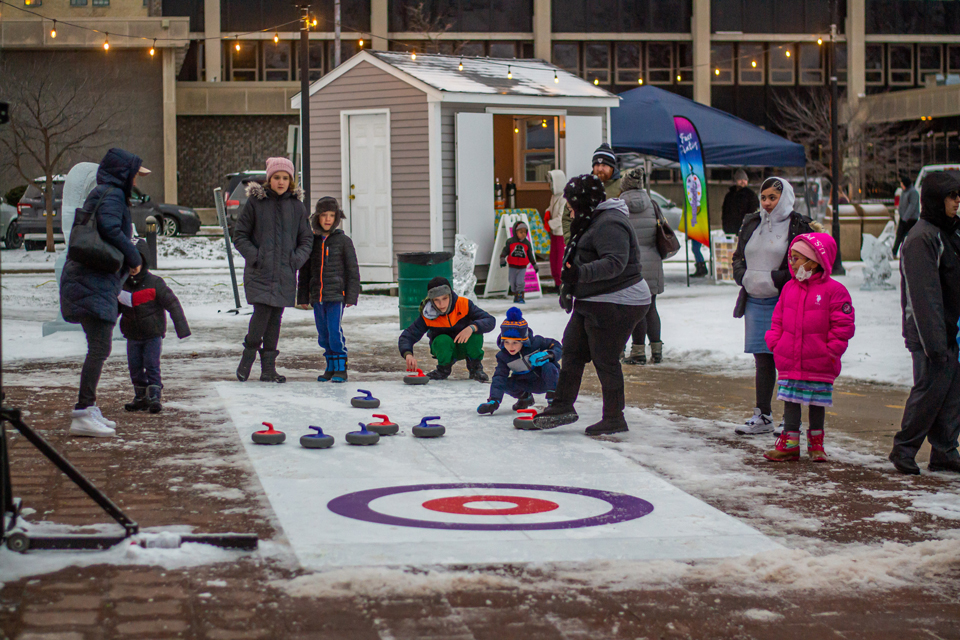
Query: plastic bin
{"points": [[414, 271]]}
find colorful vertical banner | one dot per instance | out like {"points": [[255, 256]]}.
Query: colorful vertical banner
{"points": [[695, 216]]}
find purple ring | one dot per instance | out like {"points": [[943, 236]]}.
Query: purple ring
{"points": [[357, 506]]}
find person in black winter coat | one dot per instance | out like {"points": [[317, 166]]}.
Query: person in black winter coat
{"points": [[518, 253], [930, 297], [526, 364], [144, 304], [739, 202], [89, 297], [329, 282], [273, 235], [455, 328]]}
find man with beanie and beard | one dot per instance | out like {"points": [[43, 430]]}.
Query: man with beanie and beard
{"points": [[930, 298], [454, 325], [739, 201], [607, 168]]}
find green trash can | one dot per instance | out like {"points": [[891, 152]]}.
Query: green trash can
{"points": [[414, 271]]}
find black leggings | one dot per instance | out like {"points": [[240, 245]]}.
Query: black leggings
{"points": [[791, 416], [649, 325], [99, 343], [766, 381], [264, 327]]}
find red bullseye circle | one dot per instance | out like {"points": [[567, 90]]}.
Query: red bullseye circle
{"points": [[457, 504]]}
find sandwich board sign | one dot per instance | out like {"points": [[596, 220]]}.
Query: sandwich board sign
{"points": [[498, 282]]}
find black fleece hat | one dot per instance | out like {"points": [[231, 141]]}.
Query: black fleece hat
{"points": [[933, 190], [584, 193], [329, 203]]}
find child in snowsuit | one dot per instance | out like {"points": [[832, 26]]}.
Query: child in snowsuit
{"points": [[518, 253], [329, 282], [145, 302], [526, 364], [454, 326], [812, 324]]}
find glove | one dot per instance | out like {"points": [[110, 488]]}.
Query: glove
{"points": [[488, 407], [503, 263], [570, 275], [125, 298], [539, 358]]}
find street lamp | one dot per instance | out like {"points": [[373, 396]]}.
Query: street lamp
{"points": [[835, 139]]}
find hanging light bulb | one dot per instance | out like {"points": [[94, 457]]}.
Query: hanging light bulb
{"points": [[361, 43], [509, 73], [753, 64], [314, 23], [461, 64], [276, 38], [53, 31], [678, 77], [516, 129], [106, 42], [237, 46], [596, 82], [544, 124], [413, 55], [640, 81], [788, 53], [716, 71], [153, 49], [820, 41]]}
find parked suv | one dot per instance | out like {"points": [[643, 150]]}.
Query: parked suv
{"points": [[237, 197]]}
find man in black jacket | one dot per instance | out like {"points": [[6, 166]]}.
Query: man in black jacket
{"points": [[930, 298], [144, 303], [738, 202]]}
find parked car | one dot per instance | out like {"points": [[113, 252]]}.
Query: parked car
{"points": [[9, 227], [233, 179], [671, 212], [237, 197], [173, 219]]}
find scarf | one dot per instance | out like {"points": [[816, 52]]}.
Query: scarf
{"points": [[583, 194]]}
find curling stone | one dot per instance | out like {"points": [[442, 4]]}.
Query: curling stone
{"points": [[318, 440], [269, 435], [384, 427], [419, 378], [525, 422], [365, 402], [425, 430], [363, 436]]}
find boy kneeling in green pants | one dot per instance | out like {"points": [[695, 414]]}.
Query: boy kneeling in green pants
{"points": [[455, 327]]}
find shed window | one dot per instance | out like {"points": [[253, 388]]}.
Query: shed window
{"points": [[629, 62], [243, 63], [566, 55], [538, 147], [811, 64], [660, 62], [873, 56], [597, 62], [901, 64], [782, 64], [930, 60], [721, 64], [751, 64]]}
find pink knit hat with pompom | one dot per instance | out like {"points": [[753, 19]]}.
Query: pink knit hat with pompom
{"points": [[280, 164]]}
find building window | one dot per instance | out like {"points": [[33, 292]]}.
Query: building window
{"points": [[316, 60], [900, 64], [873, 65], [597, 62], [101, 3], [721, 64], [782, 64], [841, 54], [751, 64], [810, 59], [953, 58], [930, 60], [32, 3], [660, 62], [503, 50], [474, 49], [79, 3], [684, 63], [243, 63], [629, 62], [538, 148], [276, 61], [566, 55]]}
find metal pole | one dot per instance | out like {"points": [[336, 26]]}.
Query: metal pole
{"points": [[305, 103], [806, 190], [336, 33], [222, 217], [835, 138]]}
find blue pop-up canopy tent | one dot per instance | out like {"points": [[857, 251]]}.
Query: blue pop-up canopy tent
{"points": [[643, 123]]}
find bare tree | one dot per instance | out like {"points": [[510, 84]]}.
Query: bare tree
{"points": [[431, 25], [870, 151], [54, 116]]}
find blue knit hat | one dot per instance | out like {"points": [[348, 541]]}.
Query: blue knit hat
{"points": [[514, 327]]}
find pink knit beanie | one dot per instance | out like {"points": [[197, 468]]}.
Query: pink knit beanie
{"points": [[804, 248], [280, 164]]}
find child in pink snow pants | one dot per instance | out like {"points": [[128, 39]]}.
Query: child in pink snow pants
{"points": [[812, 324]]}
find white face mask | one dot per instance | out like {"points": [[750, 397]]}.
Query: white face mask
{"points": [[802, 274]]}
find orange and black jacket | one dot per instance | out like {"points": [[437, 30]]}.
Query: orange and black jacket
{"points": [[332, 273], [461, 314]]}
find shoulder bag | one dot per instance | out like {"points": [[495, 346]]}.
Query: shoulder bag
{"points": [[667, 243], [88, 247]]}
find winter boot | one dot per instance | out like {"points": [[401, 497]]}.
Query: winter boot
{"points": [[520, 299], [943, 462], [787, 448], [268, 367], [488, 407], [85, 423], [442, 372], [475, 367], [153, 397], [607, 426], [700, 271], [656, 352], [96, 413], [815, 446], [550, 395], [139, 402], [759, 423], [516, 298], [903, 463], [328, 373], [555, 415], [524, 402], [638, 355], [340, 374], [246, 362]]}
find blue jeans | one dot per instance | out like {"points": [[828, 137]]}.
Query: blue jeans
{"points": [[329, 319], [143, 358], [697, 254], [539, 380]]}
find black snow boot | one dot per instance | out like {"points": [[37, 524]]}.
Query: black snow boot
{"points": [[327, 374], [943, 462], [555, 415], [268, 367], [524, 402], [153, 397], [246, 362], [904, 463], [701, 270], [606, 426], [139, 402], [550, 395], [656, 351], [442, 372], [475, 367]]}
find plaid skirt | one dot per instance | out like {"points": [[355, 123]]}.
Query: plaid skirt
{"points": [[819, 394]]}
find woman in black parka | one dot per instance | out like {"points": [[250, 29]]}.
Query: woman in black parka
{"points": [[273, 236]]}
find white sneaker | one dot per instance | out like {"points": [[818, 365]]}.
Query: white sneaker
{"points": [[85, 423], [759, 423], [779, 429], [95, 410]]}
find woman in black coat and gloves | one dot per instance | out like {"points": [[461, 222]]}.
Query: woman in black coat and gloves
{"points": [[605, 293], [273, 236]]}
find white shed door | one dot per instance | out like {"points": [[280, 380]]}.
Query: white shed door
{"points": [[583, 135], [369, 211], [475, 207]]}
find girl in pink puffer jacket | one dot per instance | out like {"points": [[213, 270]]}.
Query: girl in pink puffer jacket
{"points": [[812, 324]]}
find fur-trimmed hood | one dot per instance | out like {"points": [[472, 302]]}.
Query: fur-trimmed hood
{"points": [[256, 190], [318, 230]]}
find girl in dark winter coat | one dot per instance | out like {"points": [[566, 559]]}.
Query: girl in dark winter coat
{"points": [[604, 289], [517, 254], [329, 282], [760, 268], [273, 236], [144, 303], [89, 297]]}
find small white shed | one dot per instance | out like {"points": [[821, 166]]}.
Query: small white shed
{"points": [[413, 146]]}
